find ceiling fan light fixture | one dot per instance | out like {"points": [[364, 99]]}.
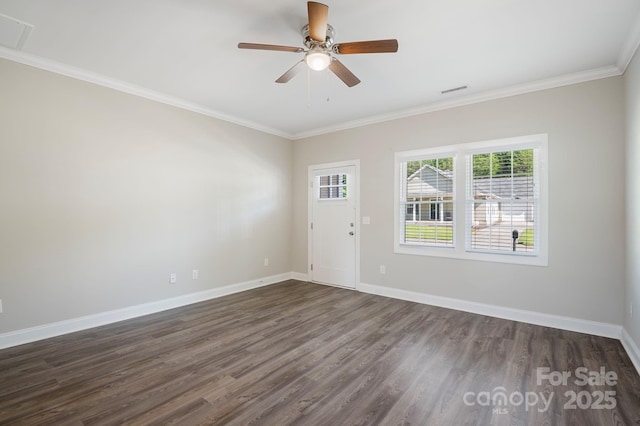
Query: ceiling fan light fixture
{"points": [[317, 59], [318, 36]]}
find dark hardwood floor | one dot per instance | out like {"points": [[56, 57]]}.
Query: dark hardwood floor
{"points": [[301, 353]]}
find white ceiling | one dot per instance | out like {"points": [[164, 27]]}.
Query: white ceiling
{"points": [[185, 52]]}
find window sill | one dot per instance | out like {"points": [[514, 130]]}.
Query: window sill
{"points": [[455, 253]]}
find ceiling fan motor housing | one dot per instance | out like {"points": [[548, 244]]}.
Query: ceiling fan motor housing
{"points": [[309, 42]]}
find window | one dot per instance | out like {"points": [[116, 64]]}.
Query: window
{"points": [[332, 186], [502, 201], [427, 198], [500, 216]]}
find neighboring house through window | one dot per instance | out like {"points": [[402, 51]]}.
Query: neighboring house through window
{"points": [[428, 200], [502, 215]]}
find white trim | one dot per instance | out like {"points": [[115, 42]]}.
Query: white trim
{"points": [[632, 349], [612, 331], [46, 331], [310, 194], [630, 46], [26, 30], [547, 320], [299, 276], [460, 154], [122, 86], [519, 89]]}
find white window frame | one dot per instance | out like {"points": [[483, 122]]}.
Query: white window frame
{"points": [[331, 186], [461, 155]]}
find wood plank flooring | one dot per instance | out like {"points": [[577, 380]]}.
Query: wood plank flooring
{"points": [[306, 354]]}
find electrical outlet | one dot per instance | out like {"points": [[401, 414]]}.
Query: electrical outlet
{"points": [[383, 269], [0, 306], [266, 261], [173, 278], [194, 274]]}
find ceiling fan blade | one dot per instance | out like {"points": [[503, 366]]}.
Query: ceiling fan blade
{"points": [[258, 46], [291, 72], [343, 73], [318, 17], [371, 46]]}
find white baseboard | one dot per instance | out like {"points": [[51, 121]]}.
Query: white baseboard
{"points": [[46, 331], [632, 349], [299, 276], [537, 318], [547, 320]]}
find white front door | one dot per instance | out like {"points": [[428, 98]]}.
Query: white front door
{"points": [[333, 225]]}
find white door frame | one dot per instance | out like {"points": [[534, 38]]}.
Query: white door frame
{"points": [[310, 194]]}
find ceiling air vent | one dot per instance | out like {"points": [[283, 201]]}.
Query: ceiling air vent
{"points": [[13, 32], [455, 89]]}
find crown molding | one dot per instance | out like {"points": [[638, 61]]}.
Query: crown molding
{"points": [[121, 86], [630, 46], [534, 86]]}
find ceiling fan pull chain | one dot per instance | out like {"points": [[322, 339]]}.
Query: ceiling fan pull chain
{"points": [[308, 88], [328, 86]]}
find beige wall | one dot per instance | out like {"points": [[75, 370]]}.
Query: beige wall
{"points": [[632, 90], [585, 124], [103, 195]]}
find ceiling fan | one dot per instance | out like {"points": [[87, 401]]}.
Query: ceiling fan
{"points": [[318, 36]]}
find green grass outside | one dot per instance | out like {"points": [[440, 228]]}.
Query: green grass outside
{"points": [[428, 232], [526, 238], [445, 233]]}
